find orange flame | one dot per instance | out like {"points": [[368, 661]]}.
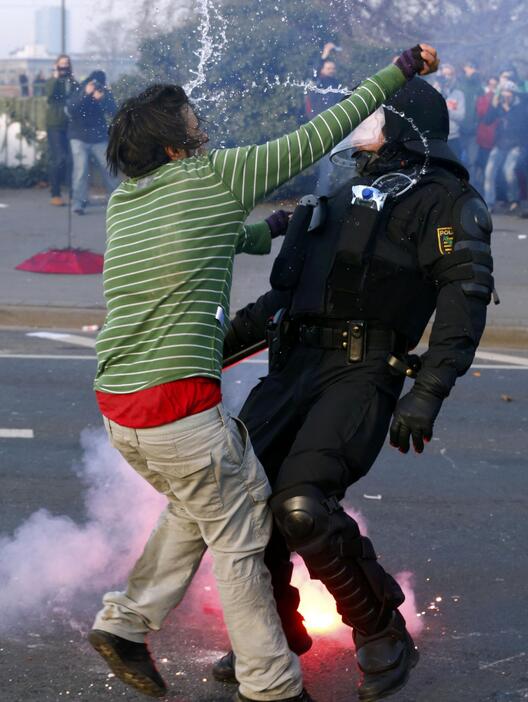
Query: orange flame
{"points": [[317, 605]]}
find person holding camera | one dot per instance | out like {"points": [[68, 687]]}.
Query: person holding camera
{"points": [[89, 108], [318, 100], [58, 89]]}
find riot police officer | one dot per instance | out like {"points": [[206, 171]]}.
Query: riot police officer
{"points": [[356, 282]]}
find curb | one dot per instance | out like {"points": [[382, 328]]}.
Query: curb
{"points": [[21, 316], [54, 317]]}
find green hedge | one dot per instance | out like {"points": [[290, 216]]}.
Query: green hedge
{"points": [[31, 111]]}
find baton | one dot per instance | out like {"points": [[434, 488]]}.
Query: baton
{"points": [[245, 353]]}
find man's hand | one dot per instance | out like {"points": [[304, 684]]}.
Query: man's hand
{"points": [[422, 59], [430, 58], [328, 47], [278, 222], [89, 88], [414, 416]]}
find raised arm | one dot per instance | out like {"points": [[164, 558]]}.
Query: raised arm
{"points": [[252, 172]]}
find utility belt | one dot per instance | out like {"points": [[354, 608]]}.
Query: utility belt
{"points": [[357, 337]]}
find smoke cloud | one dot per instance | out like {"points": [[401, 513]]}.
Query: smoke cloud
{"points": [[50, 561]]}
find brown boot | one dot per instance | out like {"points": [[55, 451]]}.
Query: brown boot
{"points": [[57, 201]]}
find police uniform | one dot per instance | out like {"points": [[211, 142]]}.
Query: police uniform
{"points": [[407, 237]]}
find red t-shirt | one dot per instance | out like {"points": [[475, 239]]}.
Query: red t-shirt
{"points": [[161, 404]]}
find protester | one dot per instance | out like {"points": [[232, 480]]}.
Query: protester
{"points": [[23, 81], [510, 110], [89, 107], [173, 228], [39, 85], [58, 90], [471, 86], [485, 132], [316, 102], [456, 104]]}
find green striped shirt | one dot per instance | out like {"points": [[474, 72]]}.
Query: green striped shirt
{"points": [[172, 237]]}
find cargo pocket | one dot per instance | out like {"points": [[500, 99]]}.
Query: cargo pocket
{"points": [[251, 470], [193, 482]]}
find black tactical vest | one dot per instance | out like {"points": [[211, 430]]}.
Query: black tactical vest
{"points": [[362, 264]]}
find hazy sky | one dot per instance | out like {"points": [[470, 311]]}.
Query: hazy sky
{"points": [[17, 22]]}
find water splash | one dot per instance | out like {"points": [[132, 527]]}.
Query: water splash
{"points": [[211, 47]]}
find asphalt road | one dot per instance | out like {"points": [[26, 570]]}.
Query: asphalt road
{"points": [[455, 517]]}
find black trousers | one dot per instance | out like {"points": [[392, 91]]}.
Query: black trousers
{"points": [[319, 421], [59, 159]]}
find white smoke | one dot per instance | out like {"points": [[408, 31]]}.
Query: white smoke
{"points": [[50, 561]]}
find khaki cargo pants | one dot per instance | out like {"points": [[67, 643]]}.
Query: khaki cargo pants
{"points": [[218, 493]]}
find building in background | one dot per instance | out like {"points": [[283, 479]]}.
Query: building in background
{"points": [[48, 29]]}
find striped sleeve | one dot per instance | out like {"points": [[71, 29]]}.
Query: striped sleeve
{"points": [[254, 239], [252, 172]]}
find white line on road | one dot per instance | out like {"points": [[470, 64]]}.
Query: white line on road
{"points": [[501, 358], [67, 338], [16, 434], [493, 366], [42, 356], [484, 666]]}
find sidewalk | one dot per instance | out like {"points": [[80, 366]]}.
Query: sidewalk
{"points": [[29, 225]]}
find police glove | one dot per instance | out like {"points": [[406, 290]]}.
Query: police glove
{"points": [[278, 223], [416, 412]]}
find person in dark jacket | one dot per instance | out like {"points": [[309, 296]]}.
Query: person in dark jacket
{"points": [[316, 102], [58, 90], [509, 108], [357, 279], [89, 108]]}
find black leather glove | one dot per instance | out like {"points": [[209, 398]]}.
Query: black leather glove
{"points": [[416, 412], [278, 222]]}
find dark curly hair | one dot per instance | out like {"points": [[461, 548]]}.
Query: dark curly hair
{"points": [[144, 126]]}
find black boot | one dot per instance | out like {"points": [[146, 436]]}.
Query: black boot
{"points": [[224, 668], [131, 662], [385, 659], [299, 641], [303, 697]]}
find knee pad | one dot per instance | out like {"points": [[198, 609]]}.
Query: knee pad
{"points": [[309, 520]]}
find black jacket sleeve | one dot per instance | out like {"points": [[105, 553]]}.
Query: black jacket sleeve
{"points": [[248, 327], [454, 250]]}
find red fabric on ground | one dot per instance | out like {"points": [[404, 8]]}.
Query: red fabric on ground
{"points": [[65, 261], [161, 404]]}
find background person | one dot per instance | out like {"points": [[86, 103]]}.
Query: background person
{"points": [[485, 132], [471, 86], [315, 103], [509, 110], [456, 105], [90, 107], [58, 90]]}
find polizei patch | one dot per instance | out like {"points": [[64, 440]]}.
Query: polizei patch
{"points": [[446, 238]]}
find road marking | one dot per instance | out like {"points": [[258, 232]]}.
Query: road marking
{"points": [[501, 358], [492, 366], [67, 338], [42, 356], [483, 666], [16, 434]]}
